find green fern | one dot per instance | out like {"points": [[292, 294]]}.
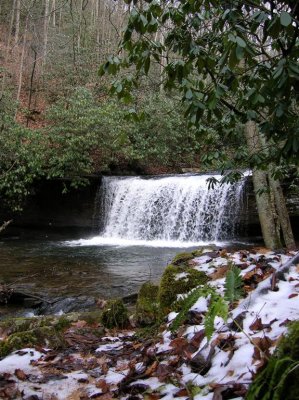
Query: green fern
{"points": [[187, 303], [218, 307], [233, 284], [273, 382]]}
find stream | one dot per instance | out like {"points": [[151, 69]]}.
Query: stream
{"points": [[143, 224], [52, 265]]}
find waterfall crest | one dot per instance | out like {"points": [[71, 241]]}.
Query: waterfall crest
{"points": [[172, 208]]}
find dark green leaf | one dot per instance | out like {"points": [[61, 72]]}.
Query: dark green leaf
{"points": [[285, 18]]}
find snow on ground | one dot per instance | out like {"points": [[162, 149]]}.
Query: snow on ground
{"points": [[170, 366]]}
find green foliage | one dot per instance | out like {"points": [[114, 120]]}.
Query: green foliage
{"points": [[187, 303], [251, 80], [279, 380], [233, 284], [21, 156], [85, 136], [193, 390], [80, 127], [162, 134], [171, 284], [147, 307], [217, 308], [115, 314]]}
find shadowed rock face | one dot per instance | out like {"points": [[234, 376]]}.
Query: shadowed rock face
{"points": [[48, 208]]}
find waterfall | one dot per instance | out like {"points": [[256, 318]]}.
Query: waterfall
{"points": [[172, 208]]}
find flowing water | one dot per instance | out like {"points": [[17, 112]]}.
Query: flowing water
{"points": [[144, 223], [168, 211]]}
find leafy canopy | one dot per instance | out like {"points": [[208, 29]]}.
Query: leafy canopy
{"points": [[232, 61]]}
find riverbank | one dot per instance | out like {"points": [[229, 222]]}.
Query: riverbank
{"points": [[207, 343]]}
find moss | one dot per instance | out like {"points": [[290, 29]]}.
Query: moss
{"points": [[289, 345], [115, 314], [27, 332], [13, 325], [171, 285], [17, 341], [182, 258], [279, 380], [147, 307], [62, 323], [197, 253], [44, 335], [91, 317]]}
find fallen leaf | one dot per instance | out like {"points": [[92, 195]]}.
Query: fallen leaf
{"points": [[20, 374], [197, 338], [106, 396], [21, 352], [219, 273], [179, 345], [163, 371], [182, 393], [152, 396], [256, 325], [102, 384], [285, 322], [152, 368], [262, 346], [83, 380]]}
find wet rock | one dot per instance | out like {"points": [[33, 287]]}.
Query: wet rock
{"points": [[67, 305], [130, 298]]}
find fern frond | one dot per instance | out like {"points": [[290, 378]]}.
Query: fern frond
{"points": [[187, 303], [218, 308], [233, 284]]}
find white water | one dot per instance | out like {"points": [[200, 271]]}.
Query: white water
{"points": [[172, 211]]}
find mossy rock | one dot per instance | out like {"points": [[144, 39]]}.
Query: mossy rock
{"points": [[115, 314], [43, 336], [279, 380], [182, 258], [172, 284], [197, 253], [147, 306], [22, 324], [43, 331]]}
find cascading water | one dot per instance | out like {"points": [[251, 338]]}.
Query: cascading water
{"points": [[178, 209]]}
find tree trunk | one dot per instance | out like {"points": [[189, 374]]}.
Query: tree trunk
{"points": [[5, 225], [22, 59], [280, 204], [7, 50], [17, 30], [46, 26], [31, 86], [261, 189], [282, 213], [53, 12]]}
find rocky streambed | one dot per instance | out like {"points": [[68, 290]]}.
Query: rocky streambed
{"points": [[215, 324]]}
